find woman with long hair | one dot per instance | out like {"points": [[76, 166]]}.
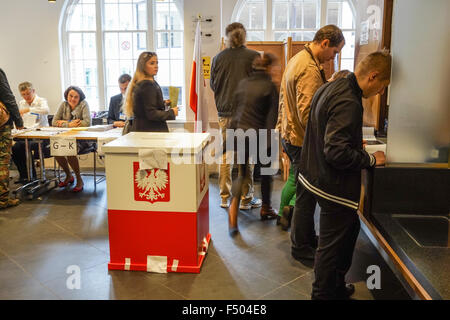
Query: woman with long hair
{"points": [[144, 101]]}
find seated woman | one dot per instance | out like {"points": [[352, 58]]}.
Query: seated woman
{"points": [[73, 112], [144, 102]]}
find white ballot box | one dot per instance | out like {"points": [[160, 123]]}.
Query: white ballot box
{"points": [[158, 201]]}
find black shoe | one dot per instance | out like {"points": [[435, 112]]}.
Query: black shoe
{"points": [[346, 291], [306, 253], [286, 217]]}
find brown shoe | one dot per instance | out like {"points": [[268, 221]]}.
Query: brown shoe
{"points": [[9, 203], [267, 212]]}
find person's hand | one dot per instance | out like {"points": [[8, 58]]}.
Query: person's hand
{"points": [[24, 110], [60, 123], [380, 158], [167, 102], [74, 123], [175, 111], [119, 124]]}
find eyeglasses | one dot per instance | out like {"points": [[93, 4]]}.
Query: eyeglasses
{"points": [[149, 53]]}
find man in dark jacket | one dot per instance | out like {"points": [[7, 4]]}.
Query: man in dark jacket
{"points": [[330, 168], [8, 99], [229, 67], [116, 116]]}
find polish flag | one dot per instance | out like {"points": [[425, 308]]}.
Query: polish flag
{"points": [[198, 86]]}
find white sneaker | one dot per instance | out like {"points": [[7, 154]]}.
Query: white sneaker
{"points": [[224, 203], [254, 203]]}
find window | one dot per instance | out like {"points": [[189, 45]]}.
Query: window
{"points": [[102, 39], [300, 19]]}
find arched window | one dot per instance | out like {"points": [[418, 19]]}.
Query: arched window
{"points": [[299, 19], [102, 39]]}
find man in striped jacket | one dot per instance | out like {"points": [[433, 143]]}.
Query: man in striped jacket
{"points": [[330, 168]]}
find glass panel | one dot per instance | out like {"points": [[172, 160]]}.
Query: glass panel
{"points": [[141, 15], [111, 91], [90, 72], [74, 21], [347, 64], [111, 17], [176, 44], [302, 35], [111, 45], [112, 72], [162, 42], [176, 21], [162, 16], [309, 15], [243, 17], [280, 36], [126, 16], [347, 16], [296, 15], [76, 72], [257, 15], [255, 35], [90, 50], [333, 13], [88, 17], [279, 15], [139, 44], [348, 51], [75, 46], [176, 74], [126, 66], [125, 43], [91, 97]]}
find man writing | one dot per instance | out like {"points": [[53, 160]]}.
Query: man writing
{"points": [[330, 168]]}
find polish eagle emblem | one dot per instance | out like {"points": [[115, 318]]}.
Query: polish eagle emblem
{"points": [[151, 185]]}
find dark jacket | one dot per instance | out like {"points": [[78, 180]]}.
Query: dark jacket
{"points": [[228, 68], [148, 108], [8, 99], [115, 105], [333, 156], [256, 103]]}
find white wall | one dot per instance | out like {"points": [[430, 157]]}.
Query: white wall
{"points": [[29, 49], [29, 46]]}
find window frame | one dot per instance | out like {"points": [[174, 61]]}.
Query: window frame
{"points": [[100, 31]]}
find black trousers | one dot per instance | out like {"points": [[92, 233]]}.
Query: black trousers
{"points": [[339, 229], [266, 180], [302, 224], [19, 156]]}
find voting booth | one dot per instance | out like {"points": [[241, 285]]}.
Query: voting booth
{"points": [[158, 201]]}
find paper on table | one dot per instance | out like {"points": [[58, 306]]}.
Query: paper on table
{"points": [[151, 159], [29, 120], [173, 96]]}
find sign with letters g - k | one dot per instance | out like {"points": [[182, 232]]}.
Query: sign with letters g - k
{"points": [[63, 146]]}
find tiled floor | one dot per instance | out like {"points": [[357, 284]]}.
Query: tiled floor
{"points": [[41, 238]]}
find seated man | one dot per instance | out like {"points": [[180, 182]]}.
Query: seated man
{"points": [[115, 115], [31, 104]]}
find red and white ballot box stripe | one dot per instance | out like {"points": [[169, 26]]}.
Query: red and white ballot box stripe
{"points": [[158, 217]]}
